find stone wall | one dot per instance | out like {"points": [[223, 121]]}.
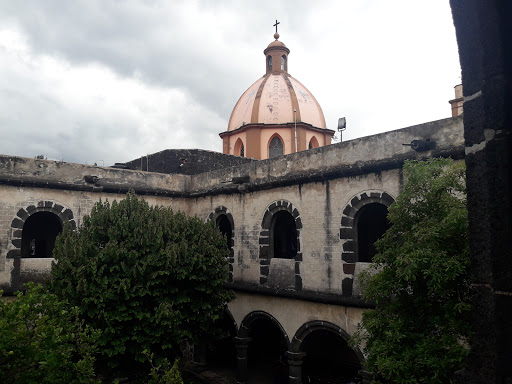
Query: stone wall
{"points": [[322, 189]]}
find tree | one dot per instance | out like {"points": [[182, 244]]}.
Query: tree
{"points": [[419, 280], [42, 340], [148, 277]]}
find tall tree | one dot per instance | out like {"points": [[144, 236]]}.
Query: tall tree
{"points": [[147, 277], [419, 280]]}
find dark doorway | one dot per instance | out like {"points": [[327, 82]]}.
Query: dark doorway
{"points": [[328, 359], [39, 233], [283, 235], [225, 228], [266, 354], [372, 223]]}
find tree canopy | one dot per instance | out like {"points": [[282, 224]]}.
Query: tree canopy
{"points": [[419, 280], [42, 340], [147, 277]]}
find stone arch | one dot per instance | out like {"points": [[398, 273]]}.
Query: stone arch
{"points": [[350, 359], [262, 342], [349, 234], [221, 213], [265, 239], [277, 141], [64, 215], [245, 325]]}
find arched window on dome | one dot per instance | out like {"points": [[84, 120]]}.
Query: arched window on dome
{"points": [[239, 148], [275, 147], [313, 143], [283, 63], [269, 62]]}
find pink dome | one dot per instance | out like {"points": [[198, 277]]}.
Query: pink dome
{"points": [[272, 100]]}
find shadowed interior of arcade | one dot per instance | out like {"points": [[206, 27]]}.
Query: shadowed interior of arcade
{"points": [[328, 359], [266, 353]]}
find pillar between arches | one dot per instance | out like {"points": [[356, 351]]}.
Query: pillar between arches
{"points": [[295, 360], [241, 346]]}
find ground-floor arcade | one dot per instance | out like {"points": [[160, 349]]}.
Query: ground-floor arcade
{"points": [[285, 340]]}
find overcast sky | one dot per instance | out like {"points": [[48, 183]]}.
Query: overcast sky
{"points": [[110, 80]]}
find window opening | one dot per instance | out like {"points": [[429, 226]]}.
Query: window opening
{"points": [[283, 63], [275, 148], [284, 235], [224, 227], [239, 148], [372, 223], [269, 62], [39, 233]]}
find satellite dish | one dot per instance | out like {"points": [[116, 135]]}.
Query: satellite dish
{"points": [[342, 124]]}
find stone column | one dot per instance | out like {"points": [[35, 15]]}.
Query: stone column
{"points": [[295, 366], [241, 345]]}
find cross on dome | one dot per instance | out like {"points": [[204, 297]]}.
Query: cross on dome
{"points": [[276, 24], [276, 35]]}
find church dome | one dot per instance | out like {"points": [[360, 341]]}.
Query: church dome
{"points": [[273, 98]]}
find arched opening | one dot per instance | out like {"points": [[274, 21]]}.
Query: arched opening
{"points": [[283, 63], [239, 148], [328, 359], [225, 228], [266, 354], [39, 233], [372, 223], [275, 147], [283, 235], [269, 63], [221, 354], [313, 143]]}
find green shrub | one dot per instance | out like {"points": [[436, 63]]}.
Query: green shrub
{"points": [[148, 277], [419, 329], [163, 373], [43, 341]]}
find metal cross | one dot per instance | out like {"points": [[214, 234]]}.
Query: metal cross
{"points": [[275, 25]]}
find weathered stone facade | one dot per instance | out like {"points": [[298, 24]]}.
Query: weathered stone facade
{"points": [[321, 191]]}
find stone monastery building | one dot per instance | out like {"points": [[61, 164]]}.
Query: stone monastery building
{"points": [[300, 215]]}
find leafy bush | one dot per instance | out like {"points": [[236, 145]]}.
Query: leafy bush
{"points": [[148, 277], [163, 373], [43, 341], [420, 280]]}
